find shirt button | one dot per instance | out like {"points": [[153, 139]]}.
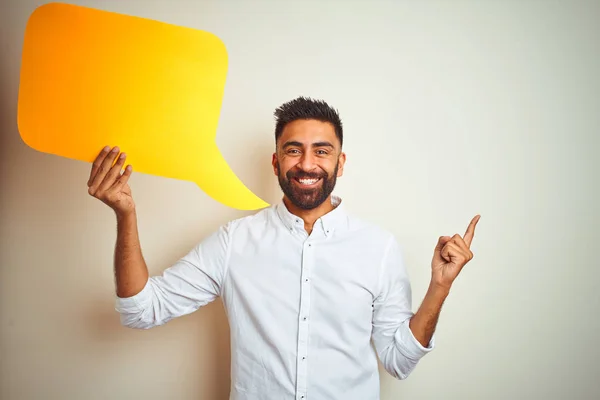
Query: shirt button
{"points": [[304, 318]]}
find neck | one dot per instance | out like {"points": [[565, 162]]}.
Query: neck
{"points": [[309, 216]]}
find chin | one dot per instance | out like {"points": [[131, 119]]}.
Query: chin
{"points": [[307, 205]]}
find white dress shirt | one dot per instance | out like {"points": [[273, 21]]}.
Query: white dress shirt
{"points": [[308, 314]]}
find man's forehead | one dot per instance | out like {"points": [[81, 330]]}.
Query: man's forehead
{"points": [[308, 133]]}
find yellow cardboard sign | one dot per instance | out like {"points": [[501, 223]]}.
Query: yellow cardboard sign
{"points": [[91, 78]]}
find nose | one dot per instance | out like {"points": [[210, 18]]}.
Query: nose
{"points": [[307, 162]]}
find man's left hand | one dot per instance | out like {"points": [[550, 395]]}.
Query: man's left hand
{"points": [[451, 254]]}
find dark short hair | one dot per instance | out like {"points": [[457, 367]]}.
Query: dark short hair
{"points": [[307, 108]]}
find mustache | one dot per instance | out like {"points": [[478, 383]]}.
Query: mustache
{"points": [[305, 175]]}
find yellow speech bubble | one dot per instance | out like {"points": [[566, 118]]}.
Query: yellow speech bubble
{"points": [[91, 78]]}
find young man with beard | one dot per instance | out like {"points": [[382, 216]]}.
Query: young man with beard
{"points": [[314, 296]]}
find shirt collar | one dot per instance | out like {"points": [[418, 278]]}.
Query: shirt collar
{"points": [[334, 220]]}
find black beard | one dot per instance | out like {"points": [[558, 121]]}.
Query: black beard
{"points": [[307, 199]]}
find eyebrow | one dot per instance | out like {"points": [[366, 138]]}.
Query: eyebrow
{"points": [[298, 144]]}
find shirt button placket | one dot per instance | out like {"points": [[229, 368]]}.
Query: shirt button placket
{"points": [[304, 320]]}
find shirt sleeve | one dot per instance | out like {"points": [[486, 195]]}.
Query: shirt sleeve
{"points": [[398, 350], [193, 281]]}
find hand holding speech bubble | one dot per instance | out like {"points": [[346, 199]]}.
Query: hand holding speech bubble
{"points": [[92, 78]]}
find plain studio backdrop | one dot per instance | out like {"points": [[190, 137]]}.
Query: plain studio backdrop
{"points": [[450, 108]]}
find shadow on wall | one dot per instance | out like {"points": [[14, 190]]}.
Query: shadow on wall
{"points": [[208, 324], [8, 118]]}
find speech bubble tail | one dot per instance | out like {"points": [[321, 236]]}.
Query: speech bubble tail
{"points": [[219, 182], [238, 197]]}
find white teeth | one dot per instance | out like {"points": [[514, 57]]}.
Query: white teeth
{"points": [[308, 181]]}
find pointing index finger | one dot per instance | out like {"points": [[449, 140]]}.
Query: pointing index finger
{"points": [[468, 238]]}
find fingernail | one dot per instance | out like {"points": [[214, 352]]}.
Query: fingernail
{"points": [[106, 148], [122, 155], [115, 149]]}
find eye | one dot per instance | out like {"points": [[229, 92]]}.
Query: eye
{"points": [[322, 152], [293, 151]]}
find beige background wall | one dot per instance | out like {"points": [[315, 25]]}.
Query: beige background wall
{"points": [[451, 108]]}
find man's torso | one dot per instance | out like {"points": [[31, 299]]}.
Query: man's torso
{"points": [[300, 306]]}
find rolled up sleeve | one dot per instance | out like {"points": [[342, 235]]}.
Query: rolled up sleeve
{"points": [[190, 283], [398, 349]]}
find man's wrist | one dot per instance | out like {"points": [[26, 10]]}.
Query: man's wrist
{"points": [[438, 291], [125, 215]]}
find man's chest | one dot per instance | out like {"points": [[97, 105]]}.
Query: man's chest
{"points": [[327, 279]]}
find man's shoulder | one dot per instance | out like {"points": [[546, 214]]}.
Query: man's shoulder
{"points": [[364, 226], [259, 218]]}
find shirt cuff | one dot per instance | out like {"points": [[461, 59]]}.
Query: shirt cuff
{"points": [[135, 303], [413, 348]]}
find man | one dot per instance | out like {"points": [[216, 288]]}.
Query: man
{"points": [[313, 295]]}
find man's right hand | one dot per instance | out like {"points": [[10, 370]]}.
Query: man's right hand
{"points": [[107, 184]]}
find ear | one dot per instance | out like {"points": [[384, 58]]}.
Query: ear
{"points": [[275, 164], [341, 162]]}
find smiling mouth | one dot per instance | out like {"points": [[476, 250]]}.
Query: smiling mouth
{"points": [[306, 182]]}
